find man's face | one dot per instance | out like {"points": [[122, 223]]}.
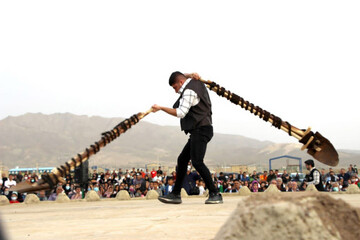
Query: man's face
{"points": [[178, 83], [308, 167], [77, 190]]}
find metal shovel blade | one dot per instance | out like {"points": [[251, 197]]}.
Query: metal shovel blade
{"points": [[322, 149]]}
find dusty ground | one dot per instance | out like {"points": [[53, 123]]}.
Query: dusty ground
{"points": [[112, 219]]}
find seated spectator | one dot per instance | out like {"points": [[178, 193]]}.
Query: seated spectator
{"points": [[285, 177], [14, 198], [237, 186], [201, 187], [294, 187], [78, 194], [244, 177], [271, 176], [254, 186], [157, 189], [263, 187], [335, 187], [53, 196], [280, 185], [354, 179], [42, 195], [303, 186], [108, 192], [10, 182], [343, 174], [263, 177], [116, 190], [169, 186]]}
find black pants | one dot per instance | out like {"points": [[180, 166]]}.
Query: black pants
{"points": [[194, 150]]}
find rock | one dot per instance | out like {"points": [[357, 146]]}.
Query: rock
{"points": [[307, 216], [244, 191], [62, 198], [183, 193], [31, 199], [123, 195], [92, 196], [206, 194], [272, 189], [311, 188], [152, 194], [4, 200], [352, 189]]}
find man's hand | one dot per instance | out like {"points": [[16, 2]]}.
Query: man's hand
{"points": [[155, 108], [195, 76]]}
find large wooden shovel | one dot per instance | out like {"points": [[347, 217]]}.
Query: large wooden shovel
{"points": [[318, 146], [49, 181]]}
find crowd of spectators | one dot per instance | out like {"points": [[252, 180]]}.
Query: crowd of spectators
{"points": [[137, 182]]}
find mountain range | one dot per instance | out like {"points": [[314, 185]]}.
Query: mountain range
{"points": [[35, 139]]}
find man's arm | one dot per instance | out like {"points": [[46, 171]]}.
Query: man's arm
{"points": [[189, 99], [171, 111]]}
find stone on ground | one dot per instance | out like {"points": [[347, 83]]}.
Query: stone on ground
{"points": [[183, 193], [244, 191], [123, 195], [272, 189], [310, 216], [311, 188], [4, 200], [352, 189], [62, 198], [152, 194], [31, 199], [92, 196]]}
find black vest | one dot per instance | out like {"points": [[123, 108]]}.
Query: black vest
{"points": [[200, 114], [320, 186]]}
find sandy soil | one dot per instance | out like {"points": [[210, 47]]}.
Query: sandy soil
{"points": [[112, 219]]}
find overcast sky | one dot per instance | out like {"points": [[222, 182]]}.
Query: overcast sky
{"points": [[297, 59]]}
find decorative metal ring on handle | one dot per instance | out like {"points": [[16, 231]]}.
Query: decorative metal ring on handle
{"points": [[318, 146], [49, 181]]}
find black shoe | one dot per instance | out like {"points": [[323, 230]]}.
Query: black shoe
{"points": [[214, 198], [171, 198]]}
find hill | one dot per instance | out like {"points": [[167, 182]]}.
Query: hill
{"points": [[50, 140]]}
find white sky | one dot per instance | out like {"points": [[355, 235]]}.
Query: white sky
{"points": [[297, 59]]}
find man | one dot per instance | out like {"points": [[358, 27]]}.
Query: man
{"points": [[194, 109], [53, 196], [314, 176], [343, 174], [280, 185], [271, 176], [159, 171], [77, 194], [285, 177], [10, 182], [153, 174]]}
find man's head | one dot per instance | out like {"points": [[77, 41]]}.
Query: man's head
{"points": [[77, 189], [309, 164], [59, 190], [170, 181], [176, 80]]}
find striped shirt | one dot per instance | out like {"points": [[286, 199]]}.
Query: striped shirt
{"points": [[188, 100]]}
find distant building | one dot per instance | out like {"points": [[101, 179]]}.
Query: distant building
{"points": [[39, 170]]}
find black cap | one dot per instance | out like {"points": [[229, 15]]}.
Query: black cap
{"points": [[310, 162]]}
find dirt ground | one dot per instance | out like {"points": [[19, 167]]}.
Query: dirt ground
{"points": [[113, 219]]}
